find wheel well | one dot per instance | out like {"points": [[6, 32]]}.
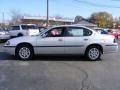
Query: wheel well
{"points": [[26, 44], [97, 45], [20, 34]]}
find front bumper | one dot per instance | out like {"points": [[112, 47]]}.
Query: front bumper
{"points": [[10, 50]]}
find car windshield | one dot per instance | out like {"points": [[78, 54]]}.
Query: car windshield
{"points": [[29, 27], [44, 32], [14, 28], [3, 31]]}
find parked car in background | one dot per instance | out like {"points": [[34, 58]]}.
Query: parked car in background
{"points": [[101, 31], [24, 30], [4, 35], [114, 32], [64, 40]]}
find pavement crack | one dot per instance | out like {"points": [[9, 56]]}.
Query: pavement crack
{"points": [[84, 83]]}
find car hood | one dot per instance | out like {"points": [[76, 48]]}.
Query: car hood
{"points": [[23, 39]]}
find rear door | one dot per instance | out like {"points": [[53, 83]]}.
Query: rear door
{"points": [[76, 39]]}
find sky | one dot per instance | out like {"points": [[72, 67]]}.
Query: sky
{"points": [[64, 8]]}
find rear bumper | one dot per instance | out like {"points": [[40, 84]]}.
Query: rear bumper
{"points": [[110, 48]]}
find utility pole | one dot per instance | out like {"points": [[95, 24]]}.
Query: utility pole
{"points": [[47, 13], [3, 20]]}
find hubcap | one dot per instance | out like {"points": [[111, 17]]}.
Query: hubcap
{"points": [[94, 53], [24, 52]]}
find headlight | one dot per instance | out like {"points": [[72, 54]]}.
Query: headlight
{"points": [[7, 43]]}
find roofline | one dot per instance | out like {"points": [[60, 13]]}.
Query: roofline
{"points": [[22, 24], [55, 26], [69, 26], [86, 24], [50, 18]]}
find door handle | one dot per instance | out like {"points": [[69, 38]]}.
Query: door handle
{"points": [[60, 40], [85, 39]]}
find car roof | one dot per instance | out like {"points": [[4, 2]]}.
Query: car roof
{"points": [[71, 26], [49, 28], [99, 28], [68, 26]]}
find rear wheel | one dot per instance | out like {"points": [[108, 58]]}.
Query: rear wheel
{"points": [[24, 52], [93, 53]]}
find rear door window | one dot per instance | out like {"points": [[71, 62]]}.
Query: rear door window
{"points": [[77, 32]]}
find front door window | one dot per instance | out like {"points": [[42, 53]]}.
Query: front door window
{"points": [[55, 32]]}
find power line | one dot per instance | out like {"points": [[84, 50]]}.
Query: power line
{"points": [[96, 5], [115, 0]]}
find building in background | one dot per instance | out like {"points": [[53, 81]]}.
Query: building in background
{"points": [[86, 23], [41, 21]]}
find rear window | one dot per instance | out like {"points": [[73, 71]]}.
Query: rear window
{"points": [[101, 31], [25, 27]]}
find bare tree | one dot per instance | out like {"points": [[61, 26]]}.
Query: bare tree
{"points": [[16, 16], [58, 16], [78, 19]]}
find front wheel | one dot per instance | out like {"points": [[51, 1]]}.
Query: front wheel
{"points": [[24, 52], [93, 53]]}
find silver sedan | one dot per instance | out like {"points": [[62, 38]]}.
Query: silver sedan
{"points": [[63, 40]]}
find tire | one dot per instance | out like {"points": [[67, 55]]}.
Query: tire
{"points": [[93, 53], [24, 52], [2, 41]]}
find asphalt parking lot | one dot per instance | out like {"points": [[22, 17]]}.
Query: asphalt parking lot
{"points": [[59, 73]]}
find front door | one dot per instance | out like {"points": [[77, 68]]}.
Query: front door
{"points": [[52, 43]]}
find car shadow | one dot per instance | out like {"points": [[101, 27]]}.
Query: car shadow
{"points": [[5, 56], [60, 58]]}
